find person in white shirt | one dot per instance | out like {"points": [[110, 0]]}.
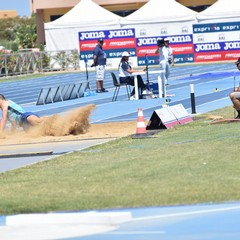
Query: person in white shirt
{"points": [[125, 71], [170, 51], [164, 53]]}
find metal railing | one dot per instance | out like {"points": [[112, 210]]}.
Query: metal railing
{"points": [[12, 64]]}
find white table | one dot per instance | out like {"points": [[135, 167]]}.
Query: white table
{"points": [[161, 82]]}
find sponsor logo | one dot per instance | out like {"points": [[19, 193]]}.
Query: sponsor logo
{"points": [[183, 59], [200, 38], [146, 51], [207, 28], [185, 29], [121, 33], [231, 27], [121, 43], [115, 54], [91, 35], [218, 56], [143, 32], [201, 29], [232, 55], [221, 36], [217, 27], [86, 56], [209, 57], [173, 40], [232, 45], [150, 62], [181, 39], [182, 49], [147, 41], [207, 47], [88, 45], [163, 31], [118, 53]]}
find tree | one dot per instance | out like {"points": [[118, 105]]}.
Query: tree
{"points": [[21, 31], [26, 36]]}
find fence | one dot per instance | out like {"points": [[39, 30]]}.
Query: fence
{"points": [[31, 62]]}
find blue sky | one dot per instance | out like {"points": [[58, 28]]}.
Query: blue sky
{"points": [[22, 6]]}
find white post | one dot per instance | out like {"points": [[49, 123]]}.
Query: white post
{"points": [[160, 90], [136, 87], [161, 85]]}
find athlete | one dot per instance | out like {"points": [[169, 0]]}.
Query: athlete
{"points": [[16, 115]]}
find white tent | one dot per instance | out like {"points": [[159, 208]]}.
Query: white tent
{"points": [[62, 34], [158, 11], [161, 17], [221, 11]]}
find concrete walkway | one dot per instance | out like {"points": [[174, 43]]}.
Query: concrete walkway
{"points": [[20, 155], [60, 225]]}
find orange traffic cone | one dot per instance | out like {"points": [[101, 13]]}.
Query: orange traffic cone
{"points": [[141, 127]]}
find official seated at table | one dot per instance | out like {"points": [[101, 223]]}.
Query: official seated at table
{"points": [[125, 76]]}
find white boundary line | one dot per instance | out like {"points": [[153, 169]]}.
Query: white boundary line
{"points": [[181, 214], [136, 233]]}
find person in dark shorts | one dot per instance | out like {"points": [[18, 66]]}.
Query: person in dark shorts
{"points": [[235, 95], [99, 62], [16, 115]]}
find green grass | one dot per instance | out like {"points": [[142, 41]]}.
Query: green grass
{"points": [[192, 163], [21, 77], [33, 75]]}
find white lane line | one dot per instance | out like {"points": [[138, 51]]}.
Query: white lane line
{"points": [[215, 210], [137, 233]]}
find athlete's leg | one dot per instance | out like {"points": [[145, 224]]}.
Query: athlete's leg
{"points": [[35, 120], [234, 96]]}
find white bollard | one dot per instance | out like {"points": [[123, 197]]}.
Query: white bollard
{"points": [[161, 85]]}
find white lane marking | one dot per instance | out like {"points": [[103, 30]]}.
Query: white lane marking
{"points": [[137, 233], [186, 213]]}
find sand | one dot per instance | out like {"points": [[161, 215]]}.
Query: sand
{"points": [[70, 126]]}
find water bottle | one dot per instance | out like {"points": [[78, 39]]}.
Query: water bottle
{"points": [[87, 93]]}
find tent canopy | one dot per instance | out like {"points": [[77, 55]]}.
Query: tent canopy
{"points": [[85, 14], [220, 10], [156, 11], [62, 34]]}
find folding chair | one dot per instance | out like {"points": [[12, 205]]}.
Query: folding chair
{"points": [[117, 85]]}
